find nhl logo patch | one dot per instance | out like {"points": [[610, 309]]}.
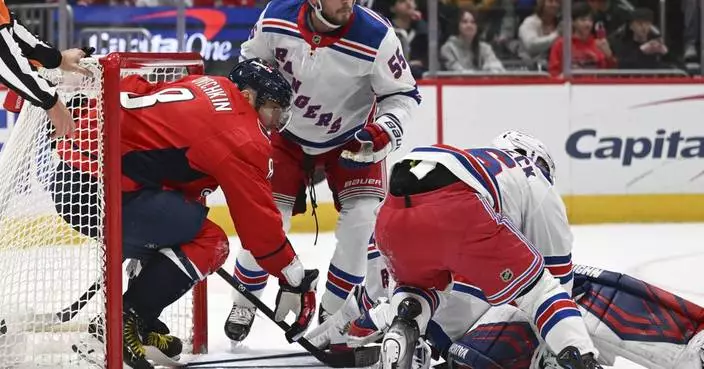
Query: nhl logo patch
{"points": [[506, 275], [317, 39]]}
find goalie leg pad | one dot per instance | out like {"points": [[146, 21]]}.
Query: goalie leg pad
{"points": [[500, 345], [638, 321]]}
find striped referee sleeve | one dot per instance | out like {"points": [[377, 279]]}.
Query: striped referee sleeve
{"points": [[16, 72]]}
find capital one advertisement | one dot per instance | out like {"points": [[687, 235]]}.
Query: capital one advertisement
{"points": [[215, 33]]}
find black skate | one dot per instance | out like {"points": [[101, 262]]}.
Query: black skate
{"points": [[157, 335], [133, 348], [323, 314], [398, 346], [570, 358], [239, 322]]}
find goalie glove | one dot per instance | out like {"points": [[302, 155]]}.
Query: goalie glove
{"points": [[297, 295], [373, 143]]}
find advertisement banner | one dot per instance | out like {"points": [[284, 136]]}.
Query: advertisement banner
{"points": [[215, 33]]}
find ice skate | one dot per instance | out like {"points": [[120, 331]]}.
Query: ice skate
{"points": [[398, 346], [133, 348], [570, 358], [239, 322]]}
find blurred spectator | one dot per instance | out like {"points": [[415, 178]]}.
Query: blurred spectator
{"points": [[499, 25], [638, 46], [588, 52], [540, 30], [464, 51], [412, 31], [447, 11], [609, 14], [690, 9]]}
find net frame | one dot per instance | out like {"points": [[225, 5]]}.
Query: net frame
{"points": [[34, 239], [113, 64]]}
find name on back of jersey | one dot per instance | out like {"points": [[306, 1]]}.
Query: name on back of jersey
{"points": [[216, 94]]}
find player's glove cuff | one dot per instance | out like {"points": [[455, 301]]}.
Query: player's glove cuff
{"points": [[373, 142], [300, 300]]}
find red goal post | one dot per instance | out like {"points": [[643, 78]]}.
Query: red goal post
{"points": [[47, 261]]}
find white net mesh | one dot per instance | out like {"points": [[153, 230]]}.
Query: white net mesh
{"points": [[45, 264]]}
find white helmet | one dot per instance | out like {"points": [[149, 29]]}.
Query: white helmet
{"points": [[529, 146]]}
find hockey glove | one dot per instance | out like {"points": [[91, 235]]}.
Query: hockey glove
{"points": [[371, 325], [373, 143], [298, 299]]}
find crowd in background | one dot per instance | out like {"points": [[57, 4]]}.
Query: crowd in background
{"points": [[492, 36]]}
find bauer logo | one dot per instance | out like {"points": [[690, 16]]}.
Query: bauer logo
{"points": [[661, 144]]}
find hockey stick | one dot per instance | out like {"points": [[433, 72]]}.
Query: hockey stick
{"points": [[241, 359], [41, 322], [360, 357]]}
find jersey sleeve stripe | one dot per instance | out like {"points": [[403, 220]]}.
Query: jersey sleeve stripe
{"points": [[413, 94], [558, 260]]}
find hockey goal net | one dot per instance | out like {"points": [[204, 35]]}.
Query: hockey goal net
{"points": [[61, 285]]}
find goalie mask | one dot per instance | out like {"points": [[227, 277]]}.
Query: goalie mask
{"points": [[270, 85], [529, 146]]}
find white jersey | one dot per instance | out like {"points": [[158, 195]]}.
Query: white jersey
{"points": [[340, 80], [516, 188]]}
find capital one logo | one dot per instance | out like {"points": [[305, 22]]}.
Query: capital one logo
{"points": [[213, 22]]}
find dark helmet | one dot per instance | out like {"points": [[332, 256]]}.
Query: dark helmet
{"points": [[265, 79]]}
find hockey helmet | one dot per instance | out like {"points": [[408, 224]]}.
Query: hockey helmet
{"points": [[269, 84], [529, 146]]}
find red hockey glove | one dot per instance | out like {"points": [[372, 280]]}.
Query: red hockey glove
{"points": [[373, 142], [297, 295]]}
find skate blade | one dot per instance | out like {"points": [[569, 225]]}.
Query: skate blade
{"points": [[158, 358]]}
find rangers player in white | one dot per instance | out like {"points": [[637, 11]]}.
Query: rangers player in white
{"points": [[353, 97], [503, 336]]}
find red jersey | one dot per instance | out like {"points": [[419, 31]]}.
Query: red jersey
{"points": [[585, 55], [193, 135]]}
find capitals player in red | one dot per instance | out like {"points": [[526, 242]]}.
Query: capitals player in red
{"points": [[353, 97], [180, 141]]}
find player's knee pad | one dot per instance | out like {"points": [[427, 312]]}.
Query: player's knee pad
{"points": [[429, 300], [286, 211], [499, 345], [209, 250]]}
